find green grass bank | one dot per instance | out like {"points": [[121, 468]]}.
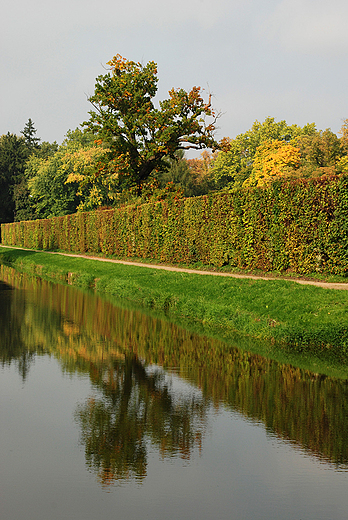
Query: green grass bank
{"points": [[304, 319]]}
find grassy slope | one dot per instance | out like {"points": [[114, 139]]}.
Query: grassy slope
{"points": [[305, 317]]}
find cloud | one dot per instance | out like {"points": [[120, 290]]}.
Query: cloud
{"points": [[309, 26]]}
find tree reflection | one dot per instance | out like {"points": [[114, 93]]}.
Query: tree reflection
{"points": [[136, 407], [12, 347]]}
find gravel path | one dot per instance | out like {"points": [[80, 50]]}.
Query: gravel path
{"points": [[325, 285]]}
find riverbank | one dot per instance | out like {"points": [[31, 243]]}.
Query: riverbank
{"points": [[301, 317]]}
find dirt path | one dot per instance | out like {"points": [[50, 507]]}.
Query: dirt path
{"points": [[325, 285]]}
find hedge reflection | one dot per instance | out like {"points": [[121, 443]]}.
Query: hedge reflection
{"points": [[114, 345]]}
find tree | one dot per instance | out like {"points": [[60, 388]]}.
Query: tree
{"points": [[321, 152], [344, 136], [188, 175], [47, 173], [13, 156], [91, 172], [14, 152], [25, 204], [15, 201], [273, 159], [200, 169], [233, 165], [141, 137], [29, 132], [342, 163]]}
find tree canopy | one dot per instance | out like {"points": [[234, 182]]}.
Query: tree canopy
{"points": [[273, 159], [271, 150], [139, 136], [234, 163], [47, 175], [131, 152], [13, 156]]}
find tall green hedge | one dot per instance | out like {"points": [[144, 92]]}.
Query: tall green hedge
{"points": [[300, 225]]}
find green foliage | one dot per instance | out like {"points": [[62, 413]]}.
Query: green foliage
{"points": [[320, 153], [233, 165], [13, 155], [47, 188], [181, 174], [29, 132], [46, 150], [47, 173], [139, 136], [24, 209], [15, 201], [299, 226]]}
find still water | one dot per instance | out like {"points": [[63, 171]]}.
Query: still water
{"points": [[108, 412]]}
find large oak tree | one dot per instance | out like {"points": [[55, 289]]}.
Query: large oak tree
{"points": [[140, 136]]}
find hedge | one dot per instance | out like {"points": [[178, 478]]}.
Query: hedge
{"points": [[299, 226]]}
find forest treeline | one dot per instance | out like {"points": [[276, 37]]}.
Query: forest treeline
{"points": [[132, 150], [41, 179]]}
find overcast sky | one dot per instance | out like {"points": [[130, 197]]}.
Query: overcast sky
{"points": [[281, 58]]}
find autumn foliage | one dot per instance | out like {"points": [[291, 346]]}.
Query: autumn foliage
{"points": [[139, 136], [299, 225], [273, 150], [273, 159]]}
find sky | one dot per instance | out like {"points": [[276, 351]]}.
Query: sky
{"points": [[285, 59]]}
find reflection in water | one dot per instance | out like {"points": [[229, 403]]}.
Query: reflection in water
{"points": [[12, 343], [135, 405]]}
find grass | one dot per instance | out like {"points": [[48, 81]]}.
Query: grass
{"points": [[200, 266], [304, 319]]}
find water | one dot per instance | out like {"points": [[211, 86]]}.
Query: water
{"points": [[109, 412]]}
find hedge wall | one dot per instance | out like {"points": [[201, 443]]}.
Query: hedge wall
{"points": [[300, 226]]}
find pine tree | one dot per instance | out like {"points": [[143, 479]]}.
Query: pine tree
{"points": [[29, 132]]}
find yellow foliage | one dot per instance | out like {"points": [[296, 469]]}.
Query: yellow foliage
{"points": [[273, 159], [344, 135], [342, 164]]}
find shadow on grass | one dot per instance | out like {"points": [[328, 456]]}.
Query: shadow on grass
{"points": [[9, 255]]}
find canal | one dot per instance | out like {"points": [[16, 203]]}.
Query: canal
{"points": [[108, 411]]}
